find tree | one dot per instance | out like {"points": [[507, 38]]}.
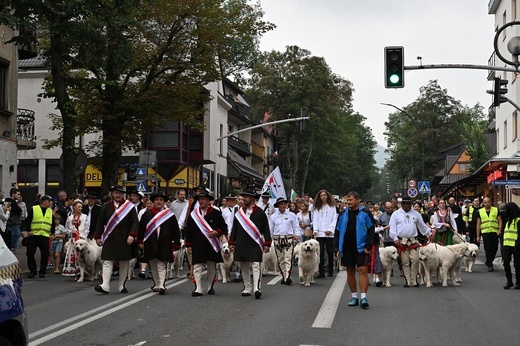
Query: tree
{"points": [[335, 151], [473, 137], [440, 120], [124, 67]]}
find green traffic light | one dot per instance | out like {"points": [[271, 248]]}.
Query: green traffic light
{"points": [[394, 79]]}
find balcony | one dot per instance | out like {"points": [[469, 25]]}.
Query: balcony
{"points": [[25, 137], [239, 145], [491, 62]]}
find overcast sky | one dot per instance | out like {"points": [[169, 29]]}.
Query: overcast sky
{"points": [[351, 36]]}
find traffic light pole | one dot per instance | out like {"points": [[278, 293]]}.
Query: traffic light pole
{"points": [[460, 66]]}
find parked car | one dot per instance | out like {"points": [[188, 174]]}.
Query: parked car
{"points": [[13, 318]]}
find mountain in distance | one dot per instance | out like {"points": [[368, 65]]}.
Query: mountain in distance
{"points": [[380, 156]]}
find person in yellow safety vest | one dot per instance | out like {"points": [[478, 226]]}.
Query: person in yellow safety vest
{"points": [[470, 218], [489, 224], [40, 226], [511, 245]]}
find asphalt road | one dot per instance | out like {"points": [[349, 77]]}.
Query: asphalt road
{"points": [[479, 312]]}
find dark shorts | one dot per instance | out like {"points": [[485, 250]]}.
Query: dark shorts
{"points": [[354, 259]]}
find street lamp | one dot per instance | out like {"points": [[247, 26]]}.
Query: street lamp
{"points": [[418, 131]]}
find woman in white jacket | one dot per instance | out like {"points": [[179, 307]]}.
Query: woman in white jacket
{"points": [[324, 224]]}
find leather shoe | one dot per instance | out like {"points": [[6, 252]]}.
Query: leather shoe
{"points": [[321, 275], [195, 294], [508, 285], [31, 275], [246, 294], [379, 283], [417, 285], [124, 290], [490, 268], [100, 289], [162, 291], [154, 289], [41, 275], [282, 282], [406, 285], [353, 302], [517, 286], [211, 291], [330, 275], [258, 294], [288, 281]]}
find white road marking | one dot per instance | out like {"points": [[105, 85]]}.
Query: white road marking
{"points": [[330, 304], [139, 343], [93, 318], [276, 279]]}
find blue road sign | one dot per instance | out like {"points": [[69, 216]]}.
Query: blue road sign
{"points": [[140, 171], [412, 192], [141, 186], [424, 187]]}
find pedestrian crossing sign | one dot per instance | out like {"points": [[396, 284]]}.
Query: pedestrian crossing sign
{"points": [[424, 187], [141, 187], [140, 171]]}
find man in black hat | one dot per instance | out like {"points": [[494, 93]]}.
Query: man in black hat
{"points": [[116, 231], [204, 227], [249, 239], [158, 237], [285, 231], [265, 205], [136, 199], [92, 210], [404, 224]]}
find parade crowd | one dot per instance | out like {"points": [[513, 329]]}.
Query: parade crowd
{"points": [[134, 229]]}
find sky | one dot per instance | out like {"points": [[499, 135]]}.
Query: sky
{"points": [[351, 36]]}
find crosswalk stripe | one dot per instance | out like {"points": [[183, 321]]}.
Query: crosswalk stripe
{"points": [[328, 309]]}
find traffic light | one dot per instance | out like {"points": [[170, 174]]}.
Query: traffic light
{"points": [[499, 90], [394, 67]]}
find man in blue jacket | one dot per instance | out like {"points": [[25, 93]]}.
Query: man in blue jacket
{"points": [[354, 237]]}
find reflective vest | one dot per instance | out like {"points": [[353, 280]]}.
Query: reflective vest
{"points": [[488, 224], [511, 233], [469, 216], [41, 224]]}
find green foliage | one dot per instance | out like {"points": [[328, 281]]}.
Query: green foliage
{"points": [[440, 121], [336, 149], [473, 137], [124, 67]]}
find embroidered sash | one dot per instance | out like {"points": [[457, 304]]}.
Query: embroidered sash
{"points": [[206, 229], [116, 218], [156, 221], [250, 228]]}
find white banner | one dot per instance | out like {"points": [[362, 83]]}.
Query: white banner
{"points": [[274, 183]]}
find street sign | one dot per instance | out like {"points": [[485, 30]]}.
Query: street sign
{"points": [[505, 182], [412, 183], [424, 187], [140, 171], [141, 186], [412, 192]]}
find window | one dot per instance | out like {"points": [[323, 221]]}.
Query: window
{"points": [[462, 167], [505, 134], [515, 126], [4, 68], [504, 21], [221, 149]]}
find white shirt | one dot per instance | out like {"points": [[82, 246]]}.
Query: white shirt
{"points": [[324, 219], [228, 214], [267, 208], [405, 224], [284, 224], [304, 219]]}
